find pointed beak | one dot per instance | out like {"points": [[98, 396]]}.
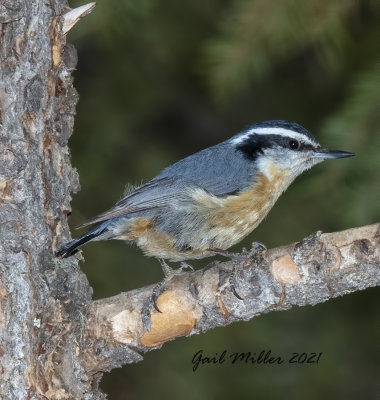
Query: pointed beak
{"points": [[324, 153]]}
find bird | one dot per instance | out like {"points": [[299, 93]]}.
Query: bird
{"points": [[209, 201]]}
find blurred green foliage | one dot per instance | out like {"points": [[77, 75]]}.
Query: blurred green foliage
{"points": [[161, 80]]}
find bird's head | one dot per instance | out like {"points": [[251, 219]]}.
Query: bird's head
{"points": [[283, 144]]}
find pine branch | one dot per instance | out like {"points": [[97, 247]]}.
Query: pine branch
{"points": [[319, 268]]}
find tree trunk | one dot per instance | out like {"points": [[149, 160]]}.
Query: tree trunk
{"points": [[54, 340], [41, 301]]}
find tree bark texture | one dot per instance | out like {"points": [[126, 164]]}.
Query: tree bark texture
{"points": [[37, 107], [54, 340]]}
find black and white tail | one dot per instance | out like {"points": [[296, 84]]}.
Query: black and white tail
{"points": [[70, 248]]}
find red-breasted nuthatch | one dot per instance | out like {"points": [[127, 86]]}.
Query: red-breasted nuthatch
{"points": [[212, 199]]}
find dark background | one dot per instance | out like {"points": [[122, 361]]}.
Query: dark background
{"points": [[161, 80]]}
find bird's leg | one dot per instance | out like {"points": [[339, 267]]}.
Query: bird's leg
{"points": [[257, 247], [168, 275], [166, 269], [225, 253], [236, 258]]}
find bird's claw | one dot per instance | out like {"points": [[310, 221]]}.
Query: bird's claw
{"points": [[257, 247], [229, 282], [183, 267], [235, 293]]}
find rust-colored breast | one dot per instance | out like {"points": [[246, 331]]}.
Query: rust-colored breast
{"points": [[239, 215], [253, 204]]}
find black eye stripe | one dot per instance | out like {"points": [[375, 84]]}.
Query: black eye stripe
{"points": [[306, 146], [253, 145]]}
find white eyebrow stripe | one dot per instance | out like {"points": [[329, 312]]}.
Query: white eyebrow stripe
{"points": [[274, 131]]}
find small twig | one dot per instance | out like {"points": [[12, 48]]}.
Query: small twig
{"points": [[74, 15]]}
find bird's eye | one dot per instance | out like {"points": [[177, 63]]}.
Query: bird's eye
{"points": [[294, 144]]}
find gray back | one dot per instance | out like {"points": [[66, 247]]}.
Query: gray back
{"points": [[219, 169]]}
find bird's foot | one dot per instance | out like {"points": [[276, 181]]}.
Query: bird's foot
{"points": [[236, 258], [230, 281], [227, 254], [257, 248]]}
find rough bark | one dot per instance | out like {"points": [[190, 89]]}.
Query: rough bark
{"points": [[54, 340], [37, 107]]}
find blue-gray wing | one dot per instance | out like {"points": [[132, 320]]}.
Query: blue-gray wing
{"points": [[219, 170], [153, 194]]}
